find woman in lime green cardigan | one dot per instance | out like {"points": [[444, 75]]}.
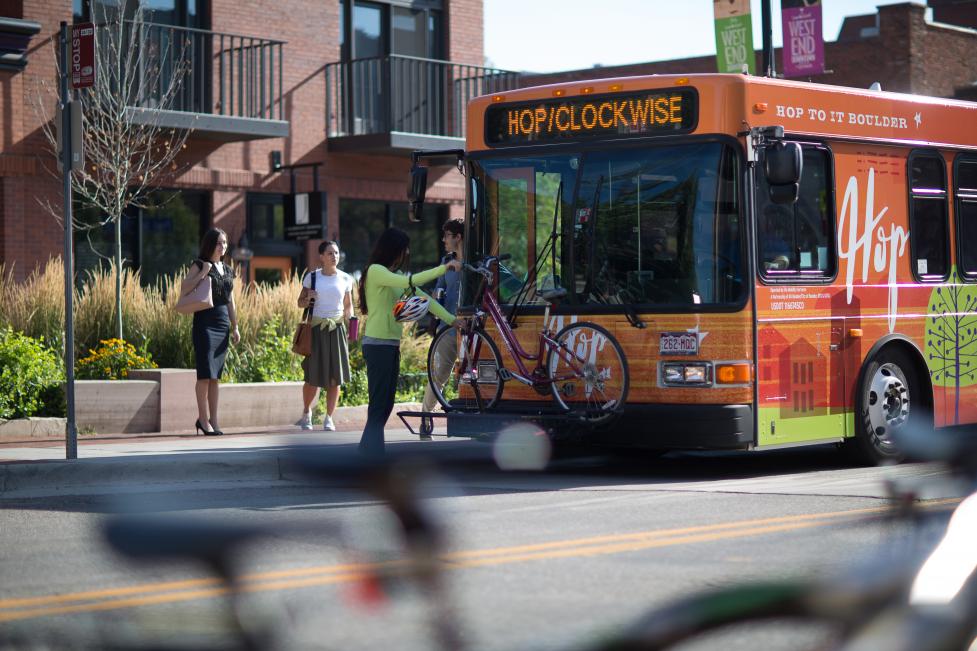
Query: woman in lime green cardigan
{"points": [[381, 286]]}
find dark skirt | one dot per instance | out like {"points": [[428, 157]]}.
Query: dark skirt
{"points": [[328, 365], [211, 335]]}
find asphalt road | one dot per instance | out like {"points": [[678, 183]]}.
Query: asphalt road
{"points": [[536, 560]]}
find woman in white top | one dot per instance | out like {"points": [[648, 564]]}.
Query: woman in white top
{"points": [[329, 292]]}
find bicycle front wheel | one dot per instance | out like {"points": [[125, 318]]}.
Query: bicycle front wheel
{"points": [[463, 370], [588, 371]]}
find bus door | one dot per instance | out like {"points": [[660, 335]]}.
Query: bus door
{"points": [[514, 234], [800, 358], [522, 213]]}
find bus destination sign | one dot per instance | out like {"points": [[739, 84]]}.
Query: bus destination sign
{"points": [[652, 112]]}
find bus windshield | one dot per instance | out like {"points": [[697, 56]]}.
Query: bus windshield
{"points": [[657, 226]]}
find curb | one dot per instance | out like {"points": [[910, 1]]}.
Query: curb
{"points": [[29, 431]]}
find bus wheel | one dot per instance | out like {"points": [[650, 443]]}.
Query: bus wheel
{"points": [[889, 406]]}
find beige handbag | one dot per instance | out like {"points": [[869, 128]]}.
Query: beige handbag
{"points": [[199, 298]]}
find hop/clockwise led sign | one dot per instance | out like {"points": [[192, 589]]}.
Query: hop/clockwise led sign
{"points": [[661, 111]]}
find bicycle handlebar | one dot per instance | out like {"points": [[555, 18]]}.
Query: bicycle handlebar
{"points": [[485, 263]]}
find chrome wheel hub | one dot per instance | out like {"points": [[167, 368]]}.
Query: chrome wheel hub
{"points": [[888, 402]]}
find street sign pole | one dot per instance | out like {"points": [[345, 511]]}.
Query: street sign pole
{"points": [[71, 430]]}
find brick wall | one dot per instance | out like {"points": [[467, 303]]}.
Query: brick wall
{"points": [[29, 236], [465, 34]]}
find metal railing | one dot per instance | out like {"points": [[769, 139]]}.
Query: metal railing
{"points": [[214, 72], [406, 94]]}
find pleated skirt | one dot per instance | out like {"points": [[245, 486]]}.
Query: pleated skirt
{"points": [[328, 365]]}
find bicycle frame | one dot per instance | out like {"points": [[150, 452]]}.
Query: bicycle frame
{"points": [[488, 304]]}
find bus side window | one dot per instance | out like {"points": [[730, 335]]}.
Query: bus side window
{"points": [[798, 239], [965, 192], [929, 240]]}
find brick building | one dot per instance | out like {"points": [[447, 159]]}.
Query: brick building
{"points": [[341, 90], [351, 87], [899, 46]]}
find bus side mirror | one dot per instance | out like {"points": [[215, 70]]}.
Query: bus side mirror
{"points": [[416, 189], [783, 164]]}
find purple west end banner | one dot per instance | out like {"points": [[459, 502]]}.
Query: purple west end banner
{"points": [[803, 44]]}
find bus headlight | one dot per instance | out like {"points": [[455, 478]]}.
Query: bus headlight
{"points": [[686, 373]]}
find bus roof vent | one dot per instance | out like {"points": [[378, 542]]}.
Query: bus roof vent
{"points": [[876, 86]]}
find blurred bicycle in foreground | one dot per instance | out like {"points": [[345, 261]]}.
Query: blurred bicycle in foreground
{"points": [[892, 603], [886, 604]]}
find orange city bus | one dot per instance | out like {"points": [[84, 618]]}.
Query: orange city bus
{"points": [[783, 263]]}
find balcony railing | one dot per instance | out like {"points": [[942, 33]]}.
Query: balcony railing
{"points": [[406, 94], [206, 72]]}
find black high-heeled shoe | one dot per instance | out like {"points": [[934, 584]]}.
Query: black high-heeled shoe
{"points": [[200, 428]]}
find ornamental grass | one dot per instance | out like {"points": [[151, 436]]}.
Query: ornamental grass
{"points": [[36, 308], [267, 317]]}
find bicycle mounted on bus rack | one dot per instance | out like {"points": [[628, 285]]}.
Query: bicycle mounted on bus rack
{"points": [[582, 366]]}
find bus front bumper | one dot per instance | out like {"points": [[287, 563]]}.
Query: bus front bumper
{"points": [[650, 426]]}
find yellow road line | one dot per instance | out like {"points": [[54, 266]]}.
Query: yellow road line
{"points": [[174, 591]]}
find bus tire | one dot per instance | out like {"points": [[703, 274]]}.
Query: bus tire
{"points": [[889, 403]]}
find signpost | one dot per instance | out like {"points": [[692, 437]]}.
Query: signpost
{"points": [[305, 212], [304, 215], [79, 63]]}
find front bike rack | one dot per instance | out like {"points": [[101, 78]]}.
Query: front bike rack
{"points": [[404, 415], [485, 424]]}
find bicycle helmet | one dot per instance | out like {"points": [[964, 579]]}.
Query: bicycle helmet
{"points": [[411, 308]]}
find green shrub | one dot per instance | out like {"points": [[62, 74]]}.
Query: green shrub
{"points": [[112, 360], [31, 376], [267, 359]]}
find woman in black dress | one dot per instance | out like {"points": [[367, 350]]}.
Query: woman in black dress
{"points": [[213, 328]]}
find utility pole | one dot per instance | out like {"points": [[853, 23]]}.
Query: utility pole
{"points": [[769, 68], [64, 99]]}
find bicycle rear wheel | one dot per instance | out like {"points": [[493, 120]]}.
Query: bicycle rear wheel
{"points": [[476, 383], [588, 372]]}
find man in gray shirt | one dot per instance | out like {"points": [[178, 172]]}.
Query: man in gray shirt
{"points": [[447, 291]]}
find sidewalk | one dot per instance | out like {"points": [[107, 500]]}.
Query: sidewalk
{"points": [[345, 419], [107, 463]]}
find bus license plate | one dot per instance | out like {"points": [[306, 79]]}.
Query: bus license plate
{"points": [[678, 343]]}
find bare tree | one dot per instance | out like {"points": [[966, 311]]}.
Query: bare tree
{"points": [[140, 70]]}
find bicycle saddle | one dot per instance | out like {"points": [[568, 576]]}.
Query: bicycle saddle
{"points": [[553, 295]]}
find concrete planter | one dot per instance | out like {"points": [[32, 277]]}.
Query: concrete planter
{"points": [[23, 429], [117, 406], [163, 400]]}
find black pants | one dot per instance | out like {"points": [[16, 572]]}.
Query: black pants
{"points": [[382, 371]]}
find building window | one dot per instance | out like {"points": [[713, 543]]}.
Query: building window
{"points": [[362, 221], [965, 192], [377, 29], [795, 242], [179, 13], [158, 240], [928, 236]]}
